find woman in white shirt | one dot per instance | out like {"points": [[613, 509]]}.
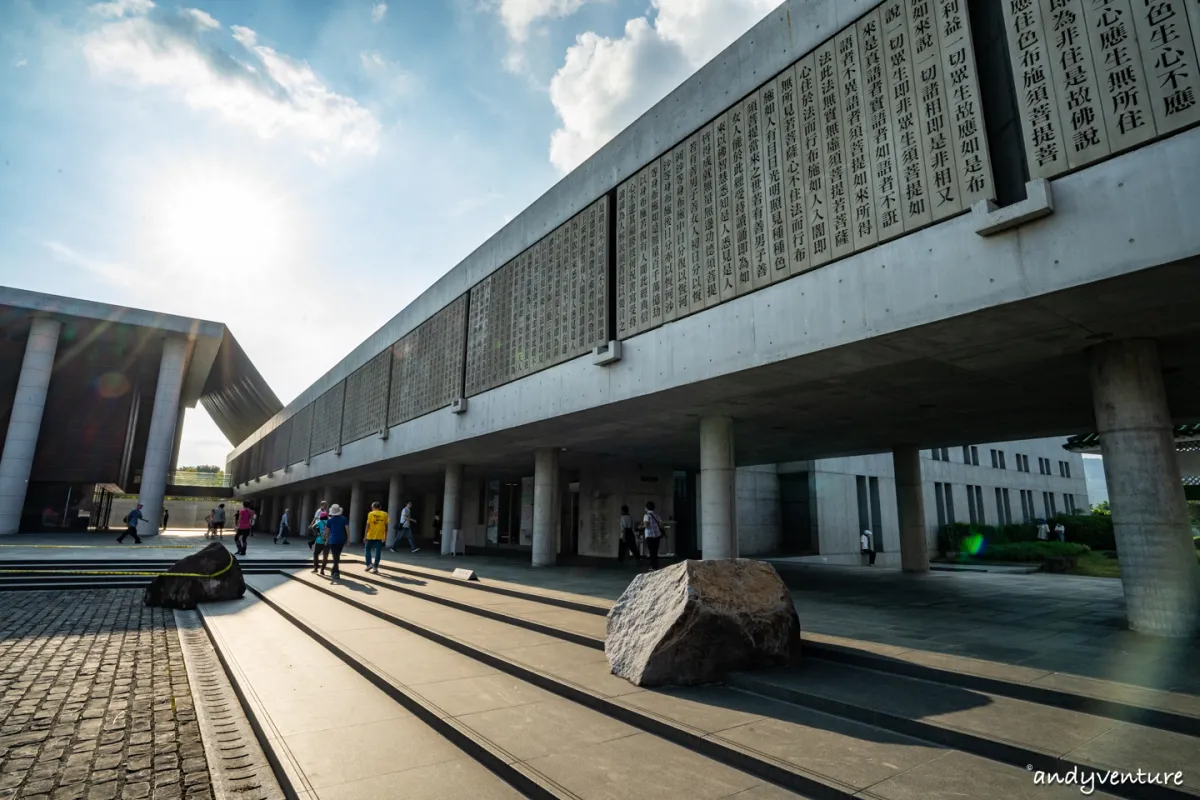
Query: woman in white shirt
{"points": [[652, 530], [628, 540]]}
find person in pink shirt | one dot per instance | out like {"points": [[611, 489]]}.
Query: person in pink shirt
{"points": [[245, 523]]}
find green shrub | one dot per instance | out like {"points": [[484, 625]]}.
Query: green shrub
{"points": [[1032, 551], [1094, 530]]}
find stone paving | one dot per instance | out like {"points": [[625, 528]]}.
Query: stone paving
{"points": [[95, 701]]}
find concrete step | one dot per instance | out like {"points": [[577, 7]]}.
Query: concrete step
{"points": [[329, 732], [999, 728], [1171, 711], [568, 745], [828, 752]]}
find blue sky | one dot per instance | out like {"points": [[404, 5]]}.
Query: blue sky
{"points": [[301, 170]]}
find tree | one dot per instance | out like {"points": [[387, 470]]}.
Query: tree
{"points": [[1102, 509]]}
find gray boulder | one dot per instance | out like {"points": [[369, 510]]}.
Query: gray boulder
{"points": [[697, 621], [181, 588]]}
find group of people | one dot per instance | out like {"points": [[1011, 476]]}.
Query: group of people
{"points": [[651, 528], [330, 527]]}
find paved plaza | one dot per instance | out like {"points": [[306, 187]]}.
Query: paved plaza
{"points": [[95, 700], [500, 688]]}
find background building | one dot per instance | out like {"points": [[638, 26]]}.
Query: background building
{"points": [[91, 397]]}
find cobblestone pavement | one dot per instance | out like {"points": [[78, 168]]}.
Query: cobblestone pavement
{"points": [[94, 700]]}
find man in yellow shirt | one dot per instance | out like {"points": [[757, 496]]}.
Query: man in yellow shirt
{"points": [[377, 526]]}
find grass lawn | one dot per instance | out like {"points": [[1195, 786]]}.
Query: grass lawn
{"points": [[1097, 565]]}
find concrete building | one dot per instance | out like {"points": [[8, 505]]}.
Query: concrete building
{"points": [[832, 240], [825, 504], [92, 398]]}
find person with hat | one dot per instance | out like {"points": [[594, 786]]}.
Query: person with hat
{"points": [[338, 532]]}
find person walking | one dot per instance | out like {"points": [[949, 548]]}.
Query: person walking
{"points": [[652, 529], [1043, 530], [407, 520], [245, 524], [864, 543], [131, 522], [283, 528], [322, 513], [317, 543], [1060, 531], [338, 534], [377, 528], [628, 540], [218, 520], [166, 517], [437, 529]]}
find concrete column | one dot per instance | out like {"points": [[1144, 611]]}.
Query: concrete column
{"points": [[308, 507], [451, 507], [26, 420], [395, 502], [1149, 511], [910, 507], [718, 512], [358, 514], [179, 417], [545, 492], [328, 494], [162, 431]]}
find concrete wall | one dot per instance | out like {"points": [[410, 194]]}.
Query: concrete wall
{"points": [[603, 489], [758, 510]]}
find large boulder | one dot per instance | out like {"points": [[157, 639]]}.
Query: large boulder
{"points": [[211, 574], [697, 621]]}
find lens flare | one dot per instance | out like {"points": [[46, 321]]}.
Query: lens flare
{"points": [[112, 385]]}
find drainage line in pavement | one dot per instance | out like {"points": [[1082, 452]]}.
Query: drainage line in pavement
{"points": [[786, 777]]}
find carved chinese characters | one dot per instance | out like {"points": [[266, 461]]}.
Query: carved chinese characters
{"points": [[1096, 77]]}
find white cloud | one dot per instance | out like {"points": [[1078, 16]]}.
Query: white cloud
{"points": [[391, 78], [520, 16], [21, 62], [378, 12], [119, 274], [607, 83], [265, 91], [201, 19], [120, 8]]}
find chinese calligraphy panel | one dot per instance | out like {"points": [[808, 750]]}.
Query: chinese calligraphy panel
{"points": [[793, 171], [743, 125]]}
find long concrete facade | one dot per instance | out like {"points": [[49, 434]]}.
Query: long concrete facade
{"points": [[686, 274]]}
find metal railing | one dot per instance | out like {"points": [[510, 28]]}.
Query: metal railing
{"points": [[191, 478]]}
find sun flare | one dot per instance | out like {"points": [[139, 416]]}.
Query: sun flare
{"points": [[222, 223]]}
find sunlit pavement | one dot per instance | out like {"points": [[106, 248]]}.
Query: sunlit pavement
{"points": [[170, 544]]}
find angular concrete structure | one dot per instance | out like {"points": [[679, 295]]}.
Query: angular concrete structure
{"points": [[90, 403]]}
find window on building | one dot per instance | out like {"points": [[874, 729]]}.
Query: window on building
{"points": [[972, 512], [1066, 469], [1007, 509], [1002, 464], [939, 494], [1022, 463], [999, 507], [1069, 503], [1003, 507], [1053, 505], [1025, 515], [974, 456], [935, 454], [945, 454], [979, 505], [966, 454], [995, 459], [1046, 506]]}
